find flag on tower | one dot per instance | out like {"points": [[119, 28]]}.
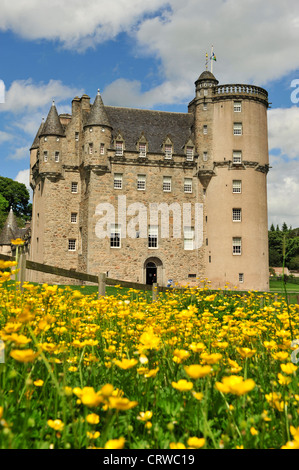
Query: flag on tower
{"points": [[213, 57]]}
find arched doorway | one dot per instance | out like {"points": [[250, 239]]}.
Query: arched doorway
{"points": [[151, 273]]}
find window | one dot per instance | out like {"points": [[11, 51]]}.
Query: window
{"points": [[241, 277], [102, 149], [74, 187], [205, 93], [237, 245], [72, 244], [237, 128], [74, 217], [90, 129], [237, 156], [188, 185], [56, 157], [205, 129], [77, 136], [237, 215], [168, 151], [237, 106], [205, 156], [167, 183], [119, 148], [189, 154], [141, 181], [115, 236], [237, 186], [153, 236], [45, 156], [118, 180], [142, 150], [90, 148], [188, 238], [45, 139], [191, 275], [205, 107]]}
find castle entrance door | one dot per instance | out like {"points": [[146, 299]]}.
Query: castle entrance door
{"points": [[151, 273]]}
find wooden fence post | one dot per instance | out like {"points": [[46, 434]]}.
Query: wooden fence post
{"points": [[155, 291], [102, 284], [22, 269]]}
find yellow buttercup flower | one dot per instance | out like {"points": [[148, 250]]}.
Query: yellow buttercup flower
{"points": [[235, 385], [180, 355], [24, 355], [38, 383], [283, 380], [126, 363], [145, 415], [56, 424], [246, 352], [195, 442], [197, 395], [182, 385], [195, 371], [115, 443], [211, 358], [177, 445], [93, 418], [253, 431], [93, 434], [120, 403], [288, 368]]}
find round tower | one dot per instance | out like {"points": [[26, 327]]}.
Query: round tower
{"points": [[96, 134], [50, 145], [232, 143]]}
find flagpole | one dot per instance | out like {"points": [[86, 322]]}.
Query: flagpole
{"points": [[212, 59]]}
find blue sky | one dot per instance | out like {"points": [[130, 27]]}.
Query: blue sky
{"points": [[148, 53]]}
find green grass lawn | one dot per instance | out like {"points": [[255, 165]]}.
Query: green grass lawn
{"points": [[277, 286]]}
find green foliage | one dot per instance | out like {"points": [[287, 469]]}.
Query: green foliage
{"points": [[15, 195], [276, 238]]}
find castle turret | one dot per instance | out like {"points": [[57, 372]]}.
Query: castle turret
{"points": [[97, 134], [34, 154], [232, 143], [50, 145]]}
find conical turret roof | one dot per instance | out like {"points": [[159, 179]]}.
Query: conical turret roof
{"points": [[10, 230], [98, 115], [53, 125], [35, 143], [207, 76]]}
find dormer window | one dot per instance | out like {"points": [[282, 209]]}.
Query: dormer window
{"points": [[119, 148], [168, 152], [142, 149], [189, 154]]}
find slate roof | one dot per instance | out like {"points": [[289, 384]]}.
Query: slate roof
{"points": [[97, 115], [35, 144], [207, 75], [53, 125], [155, 125]]}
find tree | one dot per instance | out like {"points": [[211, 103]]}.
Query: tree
{"points": [[16, 196], [284, 227]]}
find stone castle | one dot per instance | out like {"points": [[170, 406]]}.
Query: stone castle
{"points": [[212, 159]]}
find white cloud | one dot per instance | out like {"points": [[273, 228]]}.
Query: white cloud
{"points": [[23, 177], [25, 95], [5, 136], [283, 192], [19, 153], [283, 125], [76, 24]]}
